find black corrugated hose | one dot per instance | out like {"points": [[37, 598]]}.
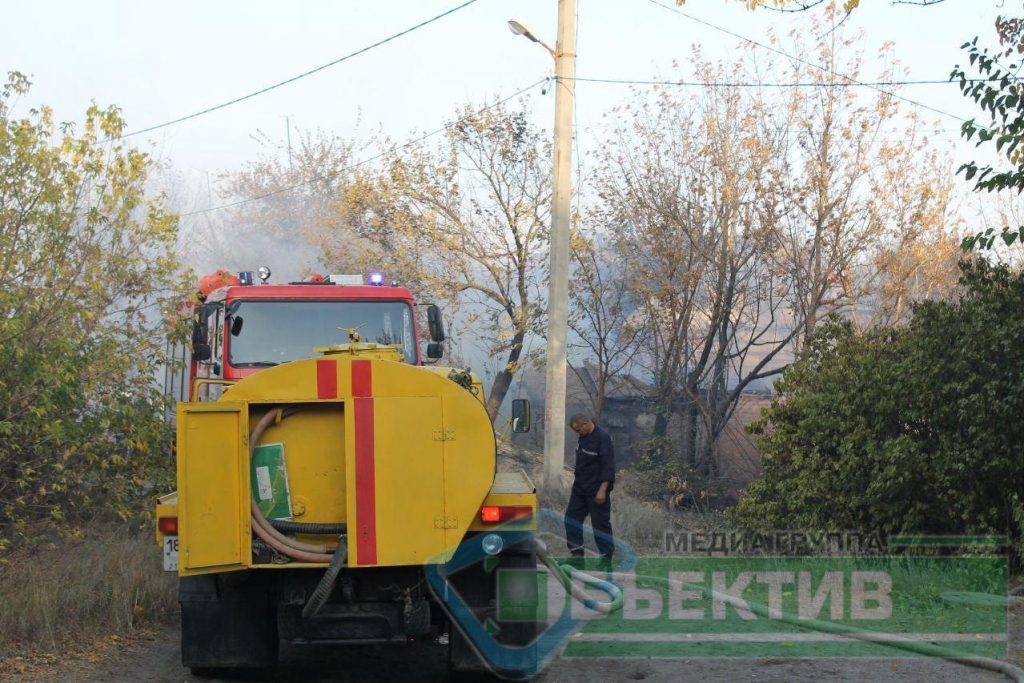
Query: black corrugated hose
{"points": [[326, 585], [315, 528]]}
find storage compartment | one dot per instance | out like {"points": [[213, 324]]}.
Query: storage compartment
{"points": [[312, 436]]}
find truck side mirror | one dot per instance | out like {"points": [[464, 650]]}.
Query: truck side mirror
{"points": [[435, 350], [435, 324], [520, 415], [200, 331], [201, 352], [201, 349]]}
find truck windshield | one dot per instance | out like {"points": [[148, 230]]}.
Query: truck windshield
{"points": [[275, 332]]}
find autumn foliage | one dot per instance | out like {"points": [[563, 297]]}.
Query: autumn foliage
{"points": [[86, 261]]}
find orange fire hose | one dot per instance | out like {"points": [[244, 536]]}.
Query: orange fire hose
{"points": [[298, 550]]}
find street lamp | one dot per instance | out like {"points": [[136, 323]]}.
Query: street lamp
{"points": [[564, 55], [520, 29]]}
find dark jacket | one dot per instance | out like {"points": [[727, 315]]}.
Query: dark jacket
{"points": [[595, 462]]}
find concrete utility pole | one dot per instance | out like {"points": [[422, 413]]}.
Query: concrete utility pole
{"points": [[564, 55], [558, 290]]}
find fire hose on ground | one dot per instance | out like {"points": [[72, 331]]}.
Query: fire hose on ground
{"points": [[566, 573]]}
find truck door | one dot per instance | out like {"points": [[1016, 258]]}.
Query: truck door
{"points": [[213, 502], [396, 480]]}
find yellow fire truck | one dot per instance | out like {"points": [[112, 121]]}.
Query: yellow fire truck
{"points": [[326, 470]]}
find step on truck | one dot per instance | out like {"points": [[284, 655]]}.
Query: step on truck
{"points": [[325, 467]]}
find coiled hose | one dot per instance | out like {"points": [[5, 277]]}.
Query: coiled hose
{"points": [[297, 550], [272, 533]]}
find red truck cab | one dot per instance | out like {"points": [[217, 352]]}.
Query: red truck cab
{"points": [[241, 329]]}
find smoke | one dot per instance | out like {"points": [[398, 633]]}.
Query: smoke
{"points": [[272, 234]]}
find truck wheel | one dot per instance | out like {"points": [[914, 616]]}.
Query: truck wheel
{"points": [[228, 623], [483, 595], [463, 663], [472, 585], [518, 623]]}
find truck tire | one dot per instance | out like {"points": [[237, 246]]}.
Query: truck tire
{"points": [[480, 590], [228, 623], [463, 662], [521, 630]]}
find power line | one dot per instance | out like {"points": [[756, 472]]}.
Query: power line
{"points": [[394, 148], [302, 75], [776, 50], [755, 84]]}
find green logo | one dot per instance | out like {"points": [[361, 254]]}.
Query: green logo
{"points": [[781, 607]]}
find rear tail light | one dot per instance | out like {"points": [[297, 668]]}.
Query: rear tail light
{"points": [[167, 525], [495, 514]]}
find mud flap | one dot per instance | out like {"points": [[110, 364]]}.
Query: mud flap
{"points": [[227, 622]]}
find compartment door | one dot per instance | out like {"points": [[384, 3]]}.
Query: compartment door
{"points": [[213, 491], [395, 480]]}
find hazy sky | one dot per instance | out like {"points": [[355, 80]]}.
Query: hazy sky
{"points": [[159, 61]]}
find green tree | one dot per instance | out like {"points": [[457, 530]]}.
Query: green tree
{"points": [[911, 429], [86, 265], [998, 95]]}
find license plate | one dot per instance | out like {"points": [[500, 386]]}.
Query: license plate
{"points": [[170, 553]]}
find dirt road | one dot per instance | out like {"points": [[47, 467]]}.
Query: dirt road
{"points": [[158, 660]]}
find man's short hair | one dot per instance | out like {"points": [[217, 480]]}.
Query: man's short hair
{"points": [[578, 420]]}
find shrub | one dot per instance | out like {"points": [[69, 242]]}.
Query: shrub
{"points": [[86, 265], [917, 429]]}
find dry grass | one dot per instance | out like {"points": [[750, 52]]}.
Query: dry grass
{"points": [[108, 583], [640, 523]]}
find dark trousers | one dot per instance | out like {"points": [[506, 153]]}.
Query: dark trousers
{"points": [[581, 505]]}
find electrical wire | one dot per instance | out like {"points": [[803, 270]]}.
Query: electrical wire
{"points": [[395, 148], [754, 84], [302, 75], [785, 54]]}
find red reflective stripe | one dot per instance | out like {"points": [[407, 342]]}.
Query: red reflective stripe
{"points": [[366, 495], [365, 489], [327, 379], [362, 379]]}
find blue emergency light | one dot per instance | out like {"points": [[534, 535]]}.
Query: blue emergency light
{"points": [[377, 279], [245, 278]]}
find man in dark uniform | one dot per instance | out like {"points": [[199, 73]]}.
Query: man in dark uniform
{"points": [[591, 488]]}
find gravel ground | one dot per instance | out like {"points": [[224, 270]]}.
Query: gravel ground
{"points": [[158, 660]]}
